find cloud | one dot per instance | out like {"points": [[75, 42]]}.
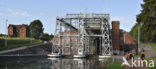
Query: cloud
{"points": [[18, 13], [126, 23], [15, 13]]}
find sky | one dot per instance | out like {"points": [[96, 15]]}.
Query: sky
{"points": [[25, 11]]}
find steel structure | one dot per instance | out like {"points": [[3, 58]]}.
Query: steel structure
{"points": [[83, 34]]}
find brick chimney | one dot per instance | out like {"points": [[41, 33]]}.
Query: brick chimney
{"points": [[116, 36]]}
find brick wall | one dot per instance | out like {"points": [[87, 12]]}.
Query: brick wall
{"points": [[129, 39], [115, 36], [17, 30], [22, 31], [10, 30]]}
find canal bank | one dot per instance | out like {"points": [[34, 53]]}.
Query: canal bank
{"points": [[34, 50]]}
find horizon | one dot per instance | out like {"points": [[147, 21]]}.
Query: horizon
{"points": [[24, 12]]}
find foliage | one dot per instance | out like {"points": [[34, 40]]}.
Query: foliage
{"points": [[153, 46], [134, 31], [147, 20], [113, 66], [36, 29], [1, 35], [1, 42], [154, 63], [47, 37]]}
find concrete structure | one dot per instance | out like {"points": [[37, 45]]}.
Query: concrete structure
{"points": [[17, 30]]}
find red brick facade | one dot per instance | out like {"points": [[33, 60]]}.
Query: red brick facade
{"points": [[116, 36], [128, 39], [17, 30], [120, 38]]}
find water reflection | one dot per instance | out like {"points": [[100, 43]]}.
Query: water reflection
{"points": [[51, 63], [74, 64]]}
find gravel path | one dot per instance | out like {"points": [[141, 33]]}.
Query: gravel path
{"points": [[149, 52]]}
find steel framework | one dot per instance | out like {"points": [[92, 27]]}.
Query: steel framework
{"points": [[83, 34]]}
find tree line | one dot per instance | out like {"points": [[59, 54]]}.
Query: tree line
{"points": [[146, 20]]}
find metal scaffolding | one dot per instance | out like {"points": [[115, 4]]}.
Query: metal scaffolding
{"points": [[83, 34]]}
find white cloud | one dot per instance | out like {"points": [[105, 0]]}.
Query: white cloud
{"points": [[15, 13], [18, 13], [126, 23]]}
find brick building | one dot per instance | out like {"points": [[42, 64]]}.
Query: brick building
{"points": [[121, 40], [17, 30]]}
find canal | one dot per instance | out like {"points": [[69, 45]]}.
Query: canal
{"points": [[52, 63]]}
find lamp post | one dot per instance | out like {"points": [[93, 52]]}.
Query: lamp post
{"points": [[138, 36], [140, 24], [31, 34], [6, 33]]}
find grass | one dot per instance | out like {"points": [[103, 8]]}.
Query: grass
{"points": [[154, 63], [15, 42], [153, 45], [138, 55], [113, 66]]}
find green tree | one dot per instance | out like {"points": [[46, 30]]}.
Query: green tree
{"points": [[147, 20], [36, 29], [47, 37]]}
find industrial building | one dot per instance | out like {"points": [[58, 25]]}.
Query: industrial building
{"points": [[89, 34]]}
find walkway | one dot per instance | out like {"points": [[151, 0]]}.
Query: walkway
{"points": [[148, 50]]}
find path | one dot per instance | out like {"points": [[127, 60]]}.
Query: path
{"points": [[148, 50]]}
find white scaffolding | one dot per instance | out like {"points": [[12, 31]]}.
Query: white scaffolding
{"points": [[83, 34]]}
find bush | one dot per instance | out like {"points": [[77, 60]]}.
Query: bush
{"points": [[2, 42], [46, 37]]}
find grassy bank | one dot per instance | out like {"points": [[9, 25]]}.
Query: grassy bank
{"points": [[113, 66], [154, 63], [17, 42], [153, 45]]}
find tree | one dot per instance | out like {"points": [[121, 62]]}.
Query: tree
{"points": [[36, 29], [47, 37], [147, 18]]}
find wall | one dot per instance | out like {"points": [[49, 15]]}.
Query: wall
{"points": [[115, 36], [36, 50]]}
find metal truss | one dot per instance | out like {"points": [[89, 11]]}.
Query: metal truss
{"points": [[83, 34]]}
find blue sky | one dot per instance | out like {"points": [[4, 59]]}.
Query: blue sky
{"points": [[25, 11]]}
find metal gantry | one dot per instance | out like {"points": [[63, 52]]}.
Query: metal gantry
{"points": [[83, 34]]}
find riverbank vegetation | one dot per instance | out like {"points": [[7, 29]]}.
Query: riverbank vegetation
{"points": [[113, 66], [154, 63], [152, 45], [146, 21], [14, 42]]}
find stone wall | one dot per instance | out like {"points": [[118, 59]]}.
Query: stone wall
{"points": [[42, 49]]}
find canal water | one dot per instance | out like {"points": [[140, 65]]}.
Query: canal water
{"points": [[51, 63]]}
